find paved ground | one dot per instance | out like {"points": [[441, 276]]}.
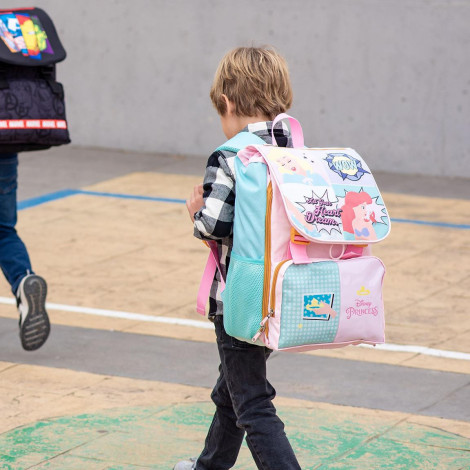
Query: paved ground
{"points": [[124, 380]]}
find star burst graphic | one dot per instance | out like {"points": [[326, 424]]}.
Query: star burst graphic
{"points": [[346, 166], [321, 212]]}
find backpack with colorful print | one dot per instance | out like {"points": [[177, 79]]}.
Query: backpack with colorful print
{"points": [[32, 106], [301, 275]]}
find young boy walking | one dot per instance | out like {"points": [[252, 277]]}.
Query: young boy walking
{"points": [[251, 86]]}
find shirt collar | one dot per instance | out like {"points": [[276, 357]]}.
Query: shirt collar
{"points": [[263, 129]]}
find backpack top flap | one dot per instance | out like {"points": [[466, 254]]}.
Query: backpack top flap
{"points": [[330, 195], [28, 37]]}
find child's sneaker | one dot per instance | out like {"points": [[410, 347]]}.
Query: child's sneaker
{"points": [[185, 465], [31, 302]]}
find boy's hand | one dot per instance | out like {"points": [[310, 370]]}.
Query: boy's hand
{"points": [[196, 201]]}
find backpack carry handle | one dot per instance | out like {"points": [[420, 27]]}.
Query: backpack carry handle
{"points": [[295, 127]]}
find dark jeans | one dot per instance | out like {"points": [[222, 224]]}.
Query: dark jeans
{"points": [[243, 398], [14, 259]]}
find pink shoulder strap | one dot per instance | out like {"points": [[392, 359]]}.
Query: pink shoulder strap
{"points": [[295, 129], [212, 265]]}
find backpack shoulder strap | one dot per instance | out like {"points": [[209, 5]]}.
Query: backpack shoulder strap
{"points": [[241, 140]]}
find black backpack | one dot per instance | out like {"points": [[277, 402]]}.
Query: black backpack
{"points": [[32, 108]]}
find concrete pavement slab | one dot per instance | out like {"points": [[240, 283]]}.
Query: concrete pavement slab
{"points": [[101, 421], [308, 377], [75, 167], [157, 437]]}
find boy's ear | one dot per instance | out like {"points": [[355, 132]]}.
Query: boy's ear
{"points": [[229, 105]]}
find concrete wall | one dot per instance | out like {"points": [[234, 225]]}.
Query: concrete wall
{"points": [[390, 78]]}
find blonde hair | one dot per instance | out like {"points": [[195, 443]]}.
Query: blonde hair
{"points": [[255, 79]]}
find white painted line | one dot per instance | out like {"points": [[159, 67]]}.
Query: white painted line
{"points": [[420, 350], [208, 326], [119, 314]]}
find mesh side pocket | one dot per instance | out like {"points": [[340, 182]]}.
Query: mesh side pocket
{"points": [[243, 297]]}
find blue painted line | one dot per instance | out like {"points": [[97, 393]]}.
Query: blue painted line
{"points": [[432, 224], [36, 201], [133, 196]]}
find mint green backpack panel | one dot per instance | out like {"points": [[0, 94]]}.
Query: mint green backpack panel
{"points": [[297, 326], [246, 271]]}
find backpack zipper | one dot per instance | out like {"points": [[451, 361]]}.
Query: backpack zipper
{"points": [[267, 255], [264, 325], [273, 288]]}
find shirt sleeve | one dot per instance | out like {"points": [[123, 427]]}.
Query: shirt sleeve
{"points": [[214, 220]]}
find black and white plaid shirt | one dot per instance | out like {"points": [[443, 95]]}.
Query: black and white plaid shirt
{"points": [[215, 220]]}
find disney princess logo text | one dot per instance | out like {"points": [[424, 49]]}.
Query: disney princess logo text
{"points": [[362, 307]]}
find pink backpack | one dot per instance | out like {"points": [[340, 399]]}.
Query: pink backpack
{"points": [[301, 275]]}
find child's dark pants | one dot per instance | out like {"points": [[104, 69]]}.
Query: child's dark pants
{"points": [[14, 258], [243, 397]]}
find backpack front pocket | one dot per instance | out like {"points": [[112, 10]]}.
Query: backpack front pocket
{"points": [[326, 303]]}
